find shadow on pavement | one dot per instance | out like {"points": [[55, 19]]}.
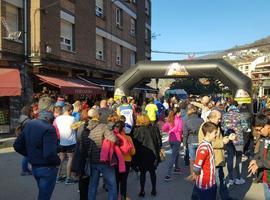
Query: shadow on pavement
{"points": [[239, 191]]}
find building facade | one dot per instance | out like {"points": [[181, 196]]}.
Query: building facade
{"points": [[261, 78], [70, 38]]}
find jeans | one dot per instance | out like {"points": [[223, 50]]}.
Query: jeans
{"points": [[46, 178], [109, 176], [231, 153], [221, 185], [25, 162], [209, 194], [174, 157], [192, 148], [266, 191]]}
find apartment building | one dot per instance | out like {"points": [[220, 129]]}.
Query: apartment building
{"points": [[55, 42], [261, 78], [245, 67]]}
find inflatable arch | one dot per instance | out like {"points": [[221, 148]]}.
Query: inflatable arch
{"points": [[240, 84]]}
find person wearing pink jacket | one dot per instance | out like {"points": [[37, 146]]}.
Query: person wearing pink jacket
{"points": [[174, 127]]}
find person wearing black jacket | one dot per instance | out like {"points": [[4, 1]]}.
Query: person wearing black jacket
{"points": [[147, 141], [80, 155], [38, 141]]}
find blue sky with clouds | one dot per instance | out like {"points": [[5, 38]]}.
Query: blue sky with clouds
{"points": [[206, 25]]}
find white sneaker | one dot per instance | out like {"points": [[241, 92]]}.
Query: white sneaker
{"points": [[240, 181], [230, 183]]}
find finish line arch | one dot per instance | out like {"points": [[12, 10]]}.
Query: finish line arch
{"points": [[240, 84]]}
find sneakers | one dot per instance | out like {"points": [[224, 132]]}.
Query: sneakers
{"points": [[70, 181], [178, 171], [240, 181], [60, 179], [142, 194], [29, 173], [154, 193], [230, 183], [167, 178]]}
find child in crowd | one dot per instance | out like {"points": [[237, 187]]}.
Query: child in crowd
{"points": [[204, 166]]}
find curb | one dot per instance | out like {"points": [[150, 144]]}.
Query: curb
{"points": [[7, 142]]}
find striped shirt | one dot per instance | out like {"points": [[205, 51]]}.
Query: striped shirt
{"points": [[205, 163]]}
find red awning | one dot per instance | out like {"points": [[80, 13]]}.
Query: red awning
{"points": [[10, 82], [71, 85]]}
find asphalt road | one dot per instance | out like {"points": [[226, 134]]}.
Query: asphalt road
{"points": [[15, 187]]}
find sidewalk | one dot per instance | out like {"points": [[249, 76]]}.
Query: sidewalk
{"points": [[6, 142]]}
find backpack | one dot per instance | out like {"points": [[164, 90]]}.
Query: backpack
{"points": [[20, 127], [125, 145]]}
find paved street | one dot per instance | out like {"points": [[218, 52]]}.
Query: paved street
{"points": [[15, 187]]}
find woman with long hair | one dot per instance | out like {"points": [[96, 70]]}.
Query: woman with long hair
{"points": [[121, 178], [174, 127], [147, 141]]}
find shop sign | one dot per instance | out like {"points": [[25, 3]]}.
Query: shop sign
{"points": [[176, 69], [242, 96]]}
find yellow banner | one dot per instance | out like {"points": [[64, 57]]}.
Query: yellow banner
{"points": [[242, 100]]}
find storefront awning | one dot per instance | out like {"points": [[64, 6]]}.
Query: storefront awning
{"points": [[71, 86], [10, 82], [106, 83]]}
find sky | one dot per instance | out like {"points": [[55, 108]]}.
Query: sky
{"points": [[207, 25]]}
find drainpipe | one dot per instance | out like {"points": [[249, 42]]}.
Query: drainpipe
{"points": [[25, 31], [25, 52]]}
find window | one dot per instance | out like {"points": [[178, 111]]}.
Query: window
{"points": [[66, 38], [266, 92], [118, 55], [133, 58], [147, 7], [99, 48], [132, 27], [12, 22], [99, 8], [12, 18], [147, 35], [119, 17]]}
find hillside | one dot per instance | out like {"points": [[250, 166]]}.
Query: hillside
{"points": [[245, 52]]}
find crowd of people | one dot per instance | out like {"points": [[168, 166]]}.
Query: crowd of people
{"points": [[110, 138]]}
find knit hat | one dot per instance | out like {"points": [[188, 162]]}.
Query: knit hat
{"points": [[44, 103]]}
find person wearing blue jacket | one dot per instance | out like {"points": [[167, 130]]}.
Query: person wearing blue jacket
{"points": [[38, 141]]}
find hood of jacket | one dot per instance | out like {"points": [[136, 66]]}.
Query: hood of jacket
{"points": [[23, 118]]}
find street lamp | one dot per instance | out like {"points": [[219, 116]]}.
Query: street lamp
{"points": [[35, 13]]}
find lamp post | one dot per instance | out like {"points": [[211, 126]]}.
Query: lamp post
{"points": [[34, 16]]}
